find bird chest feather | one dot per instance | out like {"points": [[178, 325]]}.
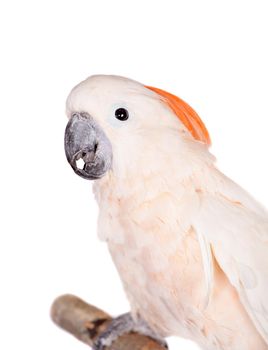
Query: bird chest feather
{"points": [[156, 250]]}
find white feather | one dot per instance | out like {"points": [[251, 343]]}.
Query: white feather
{"points": [[208, 265], [237, 229]]}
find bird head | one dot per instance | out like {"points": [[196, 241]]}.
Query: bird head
{"points": [[118, 125]]}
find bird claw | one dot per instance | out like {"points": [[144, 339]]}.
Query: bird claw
{"points": [[122, 325]]}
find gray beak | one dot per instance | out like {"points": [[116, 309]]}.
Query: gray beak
{"points": [[86, 143]]}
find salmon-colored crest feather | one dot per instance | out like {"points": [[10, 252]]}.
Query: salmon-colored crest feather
{"points": [[186, 114]]}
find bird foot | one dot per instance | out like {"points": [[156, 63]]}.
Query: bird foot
{"points": [[122, 325]]}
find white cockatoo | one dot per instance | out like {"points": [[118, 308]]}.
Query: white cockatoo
{"points": [[190, 245]]}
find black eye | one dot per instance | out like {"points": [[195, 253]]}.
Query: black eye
{"points": [[121, 114]]}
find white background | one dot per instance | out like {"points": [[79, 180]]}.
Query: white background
{"points": [[212, 53]]}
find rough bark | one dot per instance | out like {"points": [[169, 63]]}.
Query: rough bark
{"points": [[86, 323]]}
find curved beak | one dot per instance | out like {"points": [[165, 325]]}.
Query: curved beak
{"points": [[87, 148]]}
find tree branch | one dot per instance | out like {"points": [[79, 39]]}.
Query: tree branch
{"points": [[86, 323]]}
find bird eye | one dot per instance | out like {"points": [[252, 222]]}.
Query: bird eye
{"points": [[121, 114]]}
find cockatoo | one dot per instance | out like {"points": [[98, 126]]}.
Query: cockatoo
{"points": [[190, 245]]}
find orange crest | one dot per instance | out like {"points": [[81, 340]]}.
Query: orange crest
{"points": [[186, 115]]}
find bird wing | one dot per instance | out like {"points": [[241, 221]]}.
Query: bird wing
{"points": [[236, 228]]}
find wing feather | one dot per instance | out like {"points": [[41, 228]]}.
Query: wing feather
{"points": [[208, 265], [237, 230]]}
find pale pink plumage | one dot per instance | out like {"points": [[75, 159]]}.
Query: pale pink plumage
{"points": [[189, 244]]}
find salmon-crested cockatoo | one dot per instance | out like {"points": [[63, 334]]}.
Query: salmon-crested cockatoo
{"points": [[190, 245]]}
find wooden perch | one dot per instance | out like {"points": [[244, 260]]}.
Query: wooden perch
{"points": [[86, 322]]}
